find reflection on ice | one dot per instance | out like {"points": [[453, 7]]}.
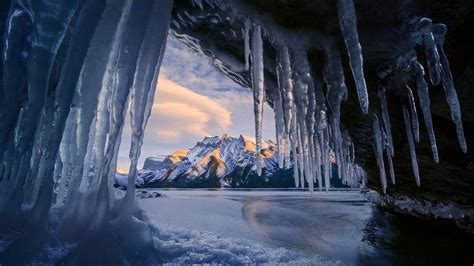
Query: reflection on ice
{"points": [[249, 226]]}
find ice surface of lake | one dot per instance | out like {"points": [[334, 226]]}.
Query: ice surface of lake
{"points": [[265, 226]]}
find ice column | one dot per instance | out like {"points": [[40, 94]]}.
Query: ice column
{"points": [[145, 82], [258, 91]]}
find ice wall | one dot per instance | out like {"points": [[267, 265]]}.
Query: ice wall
{"points": [[70, 70]]}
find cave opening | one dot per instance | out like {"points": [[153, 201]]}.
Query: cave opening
{"points": [[73, 72]]}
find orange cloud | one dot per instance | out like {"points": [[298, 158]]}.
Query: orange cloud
{"points": [[179, 113]]}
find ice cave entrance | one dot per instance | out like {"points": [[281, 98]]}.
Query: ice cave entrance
{"points": [[193, 100], [73, 71]]}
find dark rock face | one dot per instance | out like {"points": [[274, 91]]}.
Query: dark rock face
{"points": [[215, 30]]}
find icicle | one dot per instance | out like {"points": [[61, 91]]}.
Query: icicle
{"points": [[302, 80], [105, 65], [390, 165], [348, 24], [424, 97], [336, 92], [279, 119], [247, 43], [300, 156], [285, 76], [448, 85], [39, 65], [144, 86], [258, 91], [378, 149], [294, 142], [431, 52], [323, 137], [13, 75], [96, 74], [411, 144], [386, 119], [68, 152], [414, 115], [389, 157], [318, 161], [79, 44]]}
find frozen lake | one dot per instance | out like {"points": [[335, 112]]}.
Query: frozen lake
{"points": [[245, 226]]}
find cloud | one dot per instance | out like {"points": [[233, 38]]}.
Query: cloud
{"points": [[190, 70], [179, 113]]}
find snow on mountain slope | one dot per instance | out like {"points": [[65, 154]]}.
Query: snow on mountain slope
{"points": [[215, 162]]}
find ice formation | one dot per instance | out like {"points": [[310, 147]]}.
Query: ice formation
{"points": [[60, 148], [411, 144], [386, 119], [378, 148], [302, 121], [348, 24], [448, 85], [70, 70], [307, 107], [431, 37], [413, 114], [424, 98], [258, 89]]}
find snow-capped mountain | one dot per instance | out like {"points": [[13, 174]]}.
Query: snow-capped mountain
{"points": [[215, 162]]}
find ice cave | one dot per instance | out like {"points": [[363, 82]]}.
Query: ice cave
{"points": [[382, 89]]}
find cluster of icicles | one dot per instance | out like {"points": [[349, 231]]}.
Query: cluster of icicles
{"points": [[305, 129], [71, 129], [431, 37]]}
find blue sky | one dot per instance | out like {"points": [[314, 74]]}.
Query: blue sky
{"points": [[193, 99]]}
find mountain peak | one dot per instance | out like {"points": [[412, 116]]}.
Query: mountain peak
{"points": [[212, 158]]}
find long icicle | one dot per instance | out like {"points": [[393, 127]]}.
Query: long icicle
{"points": [[386, 119], [431, 52], [284, 67], [378, 149], [411, 145], [424, 98], [414, 115], [389, 157], [280, 132], [258, 91], [448, 86], [348, 24]]}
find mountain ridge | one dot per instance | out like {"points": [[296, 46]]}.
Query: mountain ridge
{"points": [[225, 161], [217, 162]]}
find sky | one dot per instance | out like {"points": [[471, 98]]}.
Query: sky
{"points": [[193, 100]]}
